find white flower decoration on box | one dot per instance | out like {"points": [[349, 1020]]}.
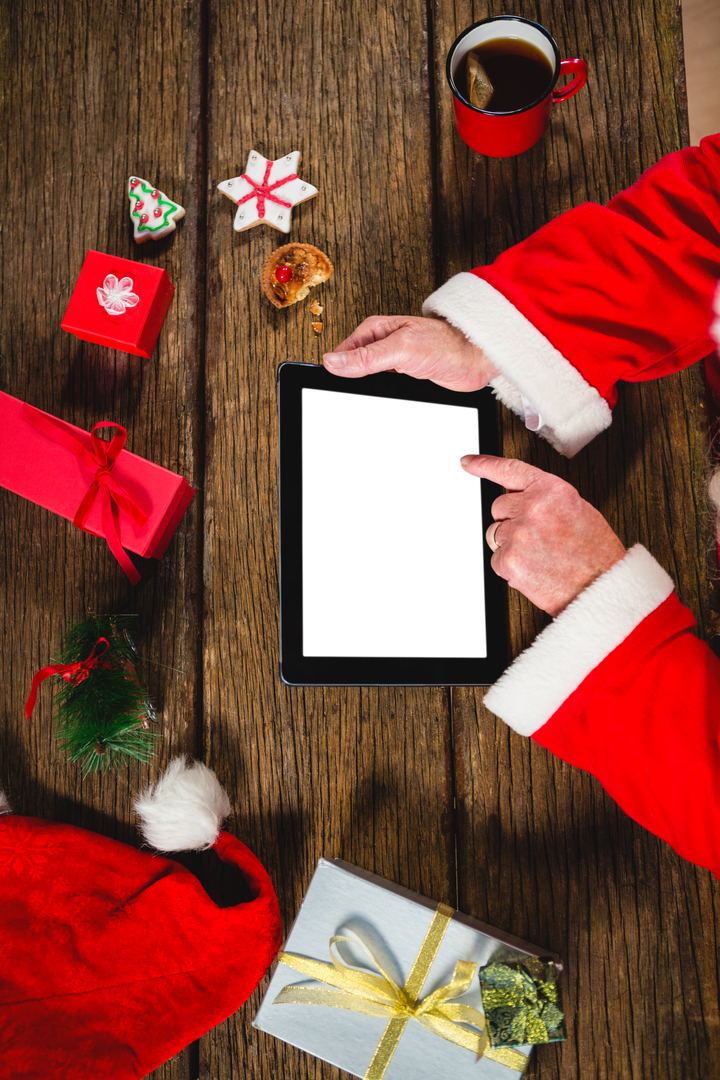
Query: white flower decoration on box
{"points": [[116, 295]]}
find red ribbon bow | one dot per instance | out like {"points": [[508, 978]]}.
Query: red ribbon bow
{"points": [[265, 191], [72, 673], [104, 484]]}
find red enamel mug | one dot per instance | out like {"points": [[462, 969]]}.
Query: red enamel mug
{"points": [[503, 134]]}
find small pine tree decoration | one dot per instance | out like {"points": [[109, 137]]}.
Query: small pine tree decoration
{"points": [[104, 716]]}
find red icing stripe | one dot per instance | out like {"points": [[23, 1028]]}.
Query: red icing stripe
{"points": [[264, 191]]}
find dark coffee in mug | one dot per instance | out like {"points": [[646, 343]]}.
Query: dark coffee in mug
{"points": [[518, 72]]}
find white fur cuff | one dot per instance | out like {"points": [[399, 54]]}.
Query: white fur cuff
{"points": [[715, 326], [573, 411], [536, 684]]}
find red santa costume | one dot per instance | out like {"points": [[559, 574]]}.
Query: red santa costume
{"points": [[618, 684]]}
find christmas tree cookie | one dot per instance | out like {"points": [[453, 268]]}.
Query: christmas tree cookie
{"points": [[152, 213]]}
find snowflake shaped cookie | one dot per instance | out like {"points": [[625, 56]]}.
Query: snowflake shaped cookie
{"points": [[267, 191], [116, 295]]}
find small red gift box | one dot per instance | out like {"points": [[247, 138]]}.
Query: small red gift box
{"points": [[119, 303], [102, 488]]}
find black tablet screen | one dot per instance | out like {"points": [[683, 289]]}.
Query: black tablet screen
{"points": [[386, 571]]}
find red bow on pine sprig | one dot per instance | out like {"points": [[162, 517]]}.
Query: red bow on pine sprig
{"points": [[100, 461], [72, 673]]}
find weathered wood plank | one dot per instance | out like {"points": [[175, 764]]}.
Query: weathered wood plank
{"points": [[93, 93], [542, 851], [362, 774]]}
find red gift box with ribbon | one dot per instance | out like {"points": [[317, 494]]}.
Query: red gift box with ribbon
{"points": [[119, 303], [101, 487]]}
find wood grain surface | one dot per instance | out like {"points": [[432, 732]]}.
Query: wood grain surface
{"points": [[91, 95], [422, 786], [358, 774]]}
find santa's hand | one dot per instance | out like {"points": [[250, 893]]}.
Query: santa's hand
{"points": [[547, 542], [424, 348]]}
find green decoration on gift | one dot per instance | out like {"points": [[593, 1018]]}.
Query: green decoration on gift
{"points": [[521, 1003], [104, 716]]}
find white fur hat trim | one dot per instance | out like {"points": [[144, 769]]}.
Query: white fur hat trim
{"points": [[184, 809]]}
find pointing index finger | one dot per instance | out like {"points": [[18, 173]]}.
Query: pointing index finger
{"points": [[510, 473]]}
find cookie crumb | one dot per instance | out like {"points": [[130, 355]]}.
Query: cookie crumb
{"points": [[317, 309], [317, 327]]}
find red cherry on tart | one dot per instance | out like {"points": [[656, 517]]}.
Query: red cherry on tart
{"points": [[292, 271]]}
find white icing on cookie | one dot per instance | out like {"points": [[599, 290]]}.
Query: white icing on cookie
{"points": [[267, 191], [152, 213]]}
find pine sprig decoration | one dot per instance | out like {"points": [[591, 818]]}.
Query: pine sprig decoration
{"points": [[105, 718]]}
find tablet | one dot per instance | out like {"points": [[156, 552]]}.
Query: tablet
{"points": [[385, 576]]}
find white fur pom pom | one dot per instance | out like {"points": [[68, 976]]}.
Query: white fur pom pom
{"points": [[184, 809], [4, 804]]}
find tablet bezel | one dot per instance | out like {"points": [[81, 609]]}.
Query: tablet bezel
{"points": [[296, 669]]}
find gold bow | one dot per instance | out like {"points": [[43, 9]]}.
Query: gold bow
{"points": [[379, 995]]}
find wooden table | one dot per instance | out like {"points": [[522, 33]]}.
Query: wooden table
{"points": [[422, 786]]}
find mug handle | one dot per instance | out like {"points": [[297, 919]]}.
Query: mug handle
{"points": [[566, 67]]}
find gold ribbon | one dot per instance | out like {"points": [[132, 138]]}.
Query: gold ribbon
{"points": [[379, 995]]}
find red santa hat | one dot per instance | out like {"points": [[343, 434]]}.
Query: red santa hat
{"points": [[114, 959]]}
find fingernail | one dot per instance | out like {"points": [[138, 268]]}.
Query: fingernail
{"points": [[459, 463], [467, 459], [335, 360]]}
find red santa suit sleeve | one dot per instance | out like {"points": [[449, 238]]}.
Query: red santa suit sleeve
{"points": [[618, 684], [600, 294]]}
